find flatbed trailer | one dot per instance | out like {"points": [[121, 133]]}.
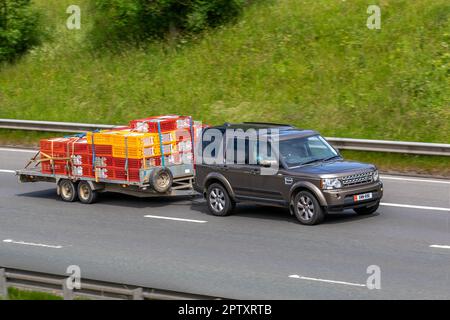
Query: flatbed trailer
{"points": [[86, 189]]}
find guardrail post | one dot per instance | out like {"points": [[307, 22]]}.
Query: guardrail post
{"points": [[3, 284], [138, 294], [67, 292]]}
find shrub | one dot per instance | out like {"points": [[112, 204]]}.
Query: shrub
{"points": [[18, 28], [138, 20]]}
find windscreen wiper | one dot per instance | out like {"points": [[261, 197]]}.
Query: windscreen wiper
{"points": [[311, 161], [329, 158]]}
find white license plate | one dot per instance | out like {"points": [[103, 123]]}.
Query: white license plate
{"points": [[364, 196]]}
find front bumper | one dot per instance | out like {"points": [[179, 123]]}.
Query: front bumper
{"points": [[341, 199]]}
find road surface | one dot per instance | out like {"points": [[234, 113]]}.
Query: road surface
{"points": [[257, 253]]}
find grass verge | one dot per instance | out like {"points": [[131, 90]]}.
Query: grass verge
{"points": [[16, 294]]}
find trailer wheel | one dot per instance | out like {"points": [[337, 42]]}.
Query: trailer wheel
{"points": [[161, 179], [86, 194], [67, 190]]}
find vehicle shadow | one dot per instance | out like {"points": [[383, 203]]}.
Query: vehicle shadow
{"points": [[249, 211], [129, 201], [348, 216], [281, 214], [197, 203], [44, 194], [117, 199]]}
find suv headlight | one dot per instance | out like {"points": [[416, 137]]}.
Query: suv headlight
{"points": [[330, 183], [375, 175]]}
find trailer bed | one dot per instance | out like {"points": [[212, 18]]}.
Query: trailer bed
{"points": [[182, 182]]}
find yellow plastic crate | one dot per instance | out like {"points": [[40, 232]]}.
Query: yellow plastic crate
{"points": [[144, 152], [134, 139], [169, 137], [102, 137]]}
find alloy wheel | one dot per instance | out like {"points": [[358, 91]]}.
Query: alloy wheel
{"points": [[305, 207], [217, 199]]}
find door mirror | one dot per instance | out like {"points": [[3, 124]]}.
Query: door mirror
{"points": [[268, 163]]}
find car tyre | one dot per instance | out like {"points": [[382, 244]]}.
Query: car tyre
{"points": [[307, 209], [161, 179], [86, 194], [367, 210], [219, 201], [67, 190]]}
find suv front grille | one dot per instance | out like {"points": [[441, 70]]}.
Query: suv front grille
{"points": [[358, 178]]}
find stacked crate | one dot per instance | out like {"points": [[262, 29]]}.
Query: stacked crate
{"points": [[122, 153]]}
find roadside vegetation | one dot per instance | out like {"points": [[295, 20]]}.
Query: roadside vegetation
{"points": [[20, 28], [311, 63], [16, 294]]}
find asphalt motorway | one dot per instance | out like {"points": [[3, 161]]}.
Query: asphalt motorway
{"points": [[257, 253]]}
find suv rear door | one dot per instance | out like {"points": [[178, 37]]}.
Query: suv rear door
{"points": [[238, 172]]}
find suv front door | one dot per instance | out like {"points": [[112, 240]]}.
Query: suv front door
{"points": [[268, 185]]}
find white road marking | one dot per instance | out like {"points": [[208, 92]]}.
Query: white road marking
{"points": [[439, 246], [18, 150], [7, 171], [32, 244], [296, 276], [175, 219], [413, 206], [414, 179]]}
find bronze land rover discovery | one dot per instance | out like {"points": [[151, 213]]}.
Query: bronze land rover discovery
{"points": [[311, 177]]}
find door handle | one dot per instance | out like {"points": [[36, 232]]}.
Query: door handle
{"points": [[254, 171]]}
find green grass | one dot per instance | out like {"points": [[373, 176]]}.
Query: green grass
{"points": [[310, 63], [404, 163], [25, 138], [16, 294]]}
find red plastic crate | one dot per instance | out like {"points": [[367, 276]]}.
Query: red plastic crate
{"points": [[83, 171], [60, 156], [101, 150], [173, 159], [167, 123], [79, 147], [60, 167], [121, 174], [55, 145], [183, 135], [104, 173], [81, 159], [132, 163], [103, 161]]}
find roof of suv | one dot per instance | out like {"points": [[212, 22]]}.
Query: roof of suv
{"points": [[285, 131]]}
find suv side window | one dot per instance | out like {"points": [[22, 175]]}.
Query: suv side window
{"points": [[260, 156], [237, 151]]}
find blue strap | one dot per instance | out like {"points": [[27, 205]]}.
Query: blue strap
{"points": [[77, 135], [191, 129], [161, 145], [93, 153]]}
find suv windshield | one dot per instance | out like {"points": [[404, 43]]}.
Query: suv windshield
{"points": [[299, 151]]}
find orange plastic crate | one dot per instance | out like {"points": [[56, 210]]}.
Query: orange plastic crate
{"points": [[134, 139], [102, 137]]}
